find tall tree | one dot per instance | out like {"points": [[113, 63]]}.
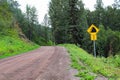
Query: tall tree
{"points": [[58, 15], [78, 21], [65, 20], [83, 37], [73, 20], [31, 16], [99, 12], [46, 25], [116, 4]]}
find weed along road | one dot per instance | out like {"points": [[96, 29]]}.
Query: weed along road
{"points": [[45, 63]]}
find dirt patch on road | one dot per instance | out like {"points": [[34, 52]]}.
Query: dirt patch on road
{"points": [[45, 63]]}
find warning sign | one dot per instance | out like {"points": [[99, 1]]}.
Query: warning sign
{"points": [[93, 30]]}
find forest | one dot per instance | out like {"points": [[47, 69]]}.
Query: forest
{"points": [[66, 22], [70, 21], [65, 25]]}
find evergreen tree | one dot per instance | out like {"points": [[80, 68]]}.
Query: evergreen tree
{"points": [[46, 25], [31, 16], [65, 20], [99, 12], [116, 4], [73, 20], [58, 17]]}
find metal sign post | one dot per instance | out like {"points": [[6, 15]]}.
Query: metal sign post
{"points": [[94, 48]]}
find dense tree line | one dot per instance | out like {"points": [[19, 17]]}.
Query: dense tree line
{"points": [[70, 20], [11, 14]]}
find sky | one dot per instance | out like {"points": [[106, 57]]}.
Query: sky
{"points": [[42, 6]]}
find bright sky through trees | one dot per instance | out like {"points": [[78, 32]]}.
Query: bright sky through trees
{"points": [[42, 5]]}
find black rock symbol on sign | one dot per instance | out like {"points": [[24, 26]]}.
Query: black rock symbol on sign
{"points": [[93, 29]]}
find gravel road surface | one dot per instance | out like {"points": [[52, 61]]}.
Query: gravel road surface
{"points": [[45, 63]]}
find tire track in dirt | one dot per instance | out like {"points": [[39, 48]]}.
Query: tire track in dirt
{"points": [[45, 63]]}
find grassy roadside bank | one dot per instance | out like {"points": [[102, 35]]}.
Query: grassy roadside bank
{"points": [[102, 66], [10, 46]]}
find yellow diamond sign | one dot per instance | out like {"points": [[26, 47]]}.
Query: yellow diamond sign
{"points": [[93, 30]]}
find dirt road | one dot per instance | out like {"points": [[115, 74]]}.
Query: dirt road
{"points": [[45, 63]]}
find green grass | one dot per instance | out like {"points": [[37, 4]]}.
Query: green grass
{"points": [[106, 67], [10, 42], [10, 46]]}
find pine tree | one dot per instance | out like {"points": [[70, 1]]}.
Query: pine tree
{"points": [[116, 4], [99, 12], [68, 19], [58, 16]]}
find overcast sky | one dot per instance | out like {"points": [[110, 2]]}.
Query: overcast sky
{"points": [[42, 5]]}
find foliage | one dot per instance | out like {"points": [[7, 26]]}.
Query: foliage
{"points": [[108, 42], [84, 72], [10, 42], [13, 45], [33, 30], [97, 65], [104, 16], [11, 14], [5, 17], [68, 19], [72, 26], [58, 17], [116, 4]]}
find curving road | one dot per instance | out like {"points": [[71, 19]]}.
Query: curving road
{"points": [[45, 63]]}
